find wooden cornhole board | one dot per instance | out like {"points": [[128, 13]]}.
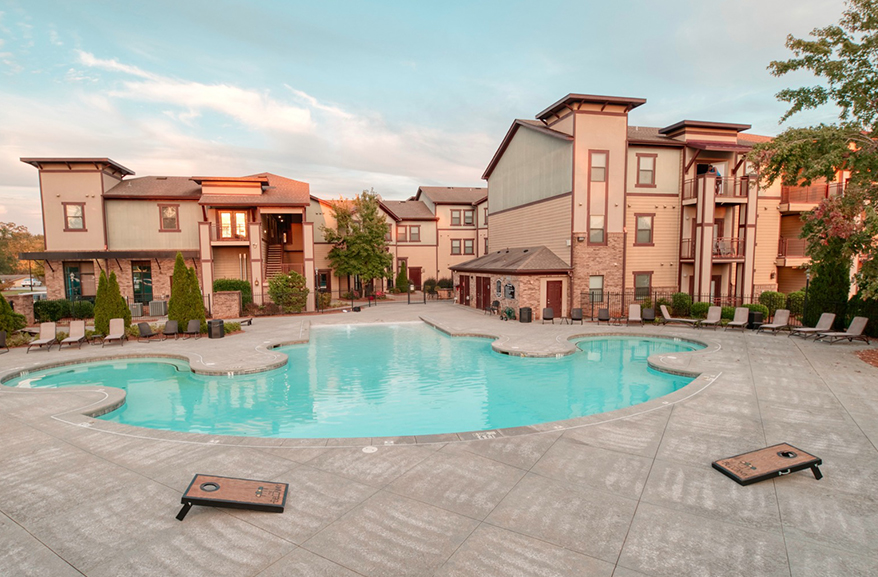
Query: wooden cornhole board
{"points": [[213, 491], [768, 463]]}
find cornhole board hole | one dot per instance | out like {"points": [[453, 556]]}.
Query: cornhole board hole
{"points": [[213, 491], [768, 463]]}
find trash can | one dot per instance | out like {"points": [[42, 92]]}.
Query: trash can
{"points": [[216, 329], [754, 320], [525, 314]]}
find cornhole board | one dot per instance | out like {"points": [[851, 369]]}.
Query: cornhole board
{"points": [[213, 491], [768, 463]]}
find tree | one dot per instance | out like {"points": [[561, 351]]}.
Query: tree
{"points": [[10, 321], [195, 300], [289, 292], [117, 305], [179, 290], [402, 279], [359, 245], [845, 57], [14, 240], [102, 306]]}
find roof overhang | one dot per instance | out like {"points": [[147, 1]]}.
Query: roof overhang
{"points": [[567, 101], [517, 271], [104, 254], [38, 162], [511, 133], [263, 180], [718, 146], [684, 124]]}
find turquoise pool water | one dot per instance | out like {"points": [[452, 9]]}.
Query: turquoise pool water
{"points": [[375, 381]]}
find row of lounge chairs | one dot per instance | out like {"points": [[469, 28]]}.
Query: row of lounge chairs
{"points": [[117, 333]]}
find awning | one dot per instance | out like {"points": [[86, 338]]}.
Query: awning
{"points": [[718, 146]]}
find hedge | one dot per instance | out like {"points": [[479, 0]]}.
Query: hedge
{"points": [[680, 304], [699, 310], [51, 310], [773, 301], [235, 284]]}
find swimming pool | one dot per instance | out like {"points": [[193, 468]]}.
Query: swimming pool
{"points": [[381, 380]]}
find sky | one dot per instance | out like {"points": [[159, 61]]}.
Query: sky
{"points": [[355, 95]]}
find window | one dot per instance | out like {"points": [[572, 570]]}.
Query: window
{"points": [[644, 229], [642, 284], [455, 246], [389, 235], [596, 289], [596, 229], [486, 245], [233, 225], [646, 170], [169, 218], [74, 216], [400, 234], [485, 222], [414, 234], [455, 218], [598, 168], [499, 290], [469, 246], [468, 217]]}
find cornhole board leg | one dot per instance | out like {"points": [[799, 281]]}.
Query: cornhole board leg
{"points": [[233, 493], [768, 463]]}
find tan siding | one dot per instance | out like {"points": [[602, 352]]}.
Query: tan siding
{"points": [[667, 170], [134, 225], [78, 187], [791, 226], [790, 279], [767, 233], [597, 132], [534, 166], [662, 258], [227, 263], [544, 224]]}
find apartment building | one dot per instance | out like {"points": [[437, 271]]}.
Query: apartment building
{"points": [[98, 217], [623, 209]]}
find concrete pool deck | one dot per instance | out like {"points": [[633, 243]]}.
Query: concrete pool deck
{"points": [[628, 493]]}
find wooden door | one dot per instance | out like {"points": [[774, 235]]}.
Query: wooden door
{"points": [[553, 296], [483, 292], [716, 283], [464, 290], [415, 277]]}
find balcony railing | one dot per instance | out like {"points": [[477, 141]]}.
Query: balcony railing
{"points": [[723, 187], [729, 247], [810, 194], [792, 247], [687, 248], [227, 233], [286, 268]]}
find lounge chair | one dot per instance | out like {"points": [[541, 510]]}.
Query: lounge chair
{"points": [[493, 308], [77, 334], [193, 329], [47, 337], [714, 317], [171, 328], [855, 331], [780, 321], [116, 332], [575, 315], [548, 315], [634, 315], [667, 318], [3, 341], [742, 317], [603, 316], [648, 315], [824, 325], [145, 331]]}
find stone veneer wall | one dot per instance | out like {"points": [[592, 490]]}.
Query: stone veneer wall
{"points": [[599, 260], [527, 291], [226, 305], [24, 304], [54, 280]]}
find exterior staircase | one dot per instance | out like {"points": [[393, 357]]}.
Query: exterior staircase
{"points": [[274, 260]]}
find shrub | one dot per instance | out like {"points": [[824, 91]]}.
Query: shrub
{"points": [[51, 311], [10, 321], [773, 301], [231, 327], [402, 280], [728, 313], [796, 303], [82, 310], [861, 307], [289, 292], [699, 310], [645, 303], [680, 304], [234, 284], [759, 308], [430, 285], [102, 306], [355, 295], [324, 300], [195, 300], [118, 307], [659, 303], [186, 302], [18, 340], [445, 283]]}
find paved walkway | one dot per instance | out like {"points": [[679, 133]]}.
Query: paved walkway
{"points": [[628, 494]]}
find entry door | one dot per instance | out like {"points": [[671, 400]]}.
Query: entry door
{"points": [[464, 290], [141, 277], [716, 283], [553, 296], [483, 292], [415, 277]]}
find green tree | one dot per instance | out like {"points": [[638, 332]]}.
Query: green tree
{"points": [[195, 300], [830, 285], [179, 292], [289, 292], [402, 279], [14, 240], [118, 307], [359, 245], [845, 58], [102, 306], [10, 321]]}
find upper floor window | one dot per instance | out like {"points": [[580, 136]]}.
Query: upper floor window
{"points": [[169, 220], [414, 234], [646, 170], [598, 168], [455, 246], [486, 245], [388, 236], [468, 217], [485, 222], [644, 229], [74, 216], [233, 224], [596, 229], [469, 246], [455, 218], [400, 234]]}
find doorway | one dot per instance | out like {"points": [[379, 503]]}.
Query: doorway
{"points": [[141, 277], [464, 290], [553, 296]]}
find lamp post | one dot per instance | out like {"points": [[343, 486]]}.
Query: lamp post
{"points": [[805, 303]]}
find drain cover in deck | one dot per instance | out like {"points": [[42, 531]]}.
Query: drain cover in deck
{"points": [[768, 463], [213, 491]]}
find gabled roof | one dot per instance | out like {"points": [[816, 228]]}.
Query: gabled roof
{"points": [[536, 259], [162, 187], [572, 98], [408, 210], [516, 124], [452, 194], [276, 191]]}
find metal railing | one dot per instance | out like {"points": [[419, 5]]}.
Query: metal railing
{"points": [[723, 247], [792, 247], [813, 194], [228, 233], [723, 187]]}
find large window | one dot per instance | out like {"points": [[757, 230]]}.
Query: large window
{"points": [[414, 234], [455, 246], [596, 229], [596, 288], [469, 246], [646, 170], [644, 229], [455, 218], [642, 285], [74, 216], [169, 218], [233, 224], [468, 217], [389, 235], [598, 168], [401, 234]]}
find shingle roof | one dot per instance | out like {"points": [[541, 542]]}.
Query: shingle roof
{"points": [[155, 187], [753, 138], [294, 190], [516, 260], [650, 135], [408, 209], [452, 194]]}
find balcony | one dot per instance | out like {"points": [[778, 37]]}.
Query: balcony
{"points": [[687, 249], [791, 252], [726, 189], [728, 248], [804, 198], [226, 235]]}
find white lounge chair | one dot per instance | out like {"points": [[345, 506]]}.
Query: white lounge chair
{"points": [[47, 337], [77, 334], [667, 318], [117, 332], [742, 317], [634, 314], [714, 317], [781, 321], [823, 326], [855, 331]]}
